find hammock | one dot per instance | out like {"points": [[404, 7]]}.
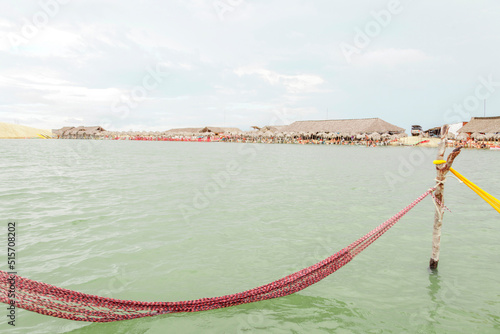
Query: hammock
{"points": [[72, 305]]}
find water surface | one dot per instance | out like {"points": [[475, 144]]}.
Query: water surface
{"points": [[169, 221]]}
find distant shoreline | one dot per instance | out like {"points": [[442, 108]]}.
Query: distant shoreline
{"points": [[400, 142]]}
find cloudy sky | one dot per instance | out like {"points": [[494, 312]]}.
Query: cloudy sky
{"points": [[156, 65]]}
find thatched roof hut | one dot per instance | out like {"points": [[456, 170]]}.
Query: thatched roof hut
{"points": [[78, 132], [206, 129], [215, 129], [482, 125], [345, 126], [62, 131], [75, 130]]}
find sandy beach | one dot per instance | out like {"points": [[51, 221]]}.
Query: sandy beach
{"points": [[15, 131]]}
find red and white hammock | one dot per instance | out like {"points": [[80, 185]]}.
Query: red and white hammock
{"points": [[67, 304]]}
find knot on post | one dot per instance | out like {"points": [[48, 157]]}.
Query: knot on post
{"points": [[440, 182]]}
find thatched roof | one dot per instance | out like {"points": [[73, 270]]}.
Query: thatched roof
{"points": [[344, 126], [204, 130], [93, 129], [74, 131], [482, 125], [184, 130], [61, 131], [222, 130], [70, 130]]}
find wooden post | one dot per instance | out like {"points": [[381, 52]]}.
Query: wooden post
{"points": [[442, 170]]}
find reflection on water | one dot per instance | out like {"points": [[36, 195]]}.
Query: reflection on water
{"points": [[444, 295], [293, 314]]}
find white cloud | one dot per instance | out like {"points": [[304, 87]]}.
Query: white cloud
{"points": [[49, 87]]}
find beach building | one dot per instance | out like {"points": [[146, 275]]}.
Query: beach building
{"points": [[452, 130], [80, 132], [207, 129], [220, 130], [433, 132], [346, 127], [487, 126], [59, 133]]}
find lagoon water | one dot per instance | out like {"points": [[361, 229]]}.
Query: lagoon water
{"points": [[169, 221]]}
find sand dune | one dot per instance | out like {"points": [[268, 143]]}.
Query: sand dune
{"points": [[15, 131]]}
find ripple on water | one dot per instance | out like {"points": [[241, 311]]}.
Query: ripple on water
{"points": [[155, 221]]}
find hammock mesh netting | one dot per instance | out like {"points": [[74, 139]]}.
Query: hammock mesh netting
{"points": [[67, 304]]}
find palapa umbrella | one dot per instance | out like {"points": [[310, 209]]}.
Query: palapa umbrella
{"points": [[490, 136], [375, 136], [463, 136], [386, 135], [450, 135], [269, 134], [475, 135]]}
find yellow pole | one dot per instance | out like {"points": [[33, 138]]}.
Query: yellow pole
{"points": [[495, 203]]}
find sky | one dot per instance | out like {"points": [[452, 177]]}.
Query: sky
{"points": [[157, 65]]}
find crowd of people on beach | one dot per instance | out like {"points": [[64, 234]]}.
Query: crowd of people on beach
{"points": [[302, 139], [472, 143], [255, 137]]}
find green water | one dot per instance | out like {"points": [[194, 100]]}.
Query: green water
{"points": [[163, 221]]}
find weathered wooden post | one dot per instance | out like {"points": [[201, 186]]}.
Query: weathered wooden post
{"points": [[442, 170]]}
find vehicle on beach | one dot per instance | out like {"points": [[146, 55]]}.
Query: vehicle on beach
{"points": [[416, 130]]}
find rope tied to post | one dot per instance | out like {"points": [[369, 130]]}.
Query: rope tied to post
{"points": [[440, 182], [437, 203]]}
